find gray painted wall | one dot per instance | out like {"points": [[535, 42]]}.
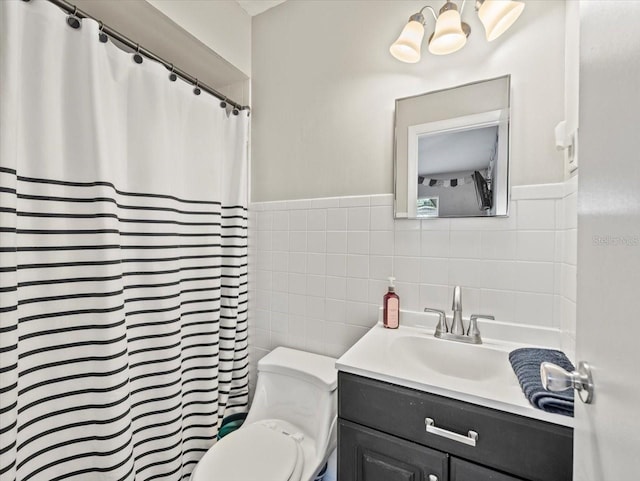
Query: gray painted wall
{"points": [[458, 200], [324, 87]]}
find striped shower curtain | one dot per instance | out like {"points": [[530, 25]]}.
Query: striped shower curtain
{"points": [[123, 258]]}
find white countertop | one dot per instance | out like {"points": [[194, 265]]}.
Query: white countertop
{"points": [[374, 356]]}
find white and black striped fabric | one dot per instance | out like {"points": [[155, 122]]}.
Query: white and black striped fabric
{"points": [[123, 260], [124, 328]]}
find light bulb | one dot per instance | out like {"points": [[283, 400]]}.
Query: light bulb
{"points": [[407, 47], [498, 15], [449, 36]]}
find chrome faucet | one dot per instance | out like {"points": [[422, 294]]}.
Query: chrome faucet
{"points": [[457, 326], [457, 330]]}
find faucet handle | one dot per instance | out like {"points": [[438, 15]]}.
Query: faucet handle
{"points": [[481, 316], [442, 320], [473, 331]]}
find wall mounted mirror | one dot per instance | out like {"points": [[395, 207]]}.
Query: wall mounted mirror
{"points": [[452, 152]]}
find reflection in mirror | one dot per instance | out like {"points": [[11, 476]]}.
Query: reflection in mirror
{"points": [[456, 165]]}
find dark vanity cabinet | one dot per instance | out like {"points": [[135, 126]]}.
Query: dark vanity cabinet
{"points": [[369, 455], [382, 436]]}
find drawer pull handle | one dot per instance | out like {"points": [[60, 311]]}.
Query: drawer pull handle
{"points": [[470, 439]]}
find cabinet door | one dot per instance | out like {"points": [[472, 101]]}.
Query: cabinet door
{"points": [[528, 448], [368, 455], [465, 471]]}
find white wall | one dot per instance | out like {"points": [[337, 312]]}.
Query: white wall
{"points": [[324, 85], [222, 25], [572, 72], [319, 267], [566, 266]]}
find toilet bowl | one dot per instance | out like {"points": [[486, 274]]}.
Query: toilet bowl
{"points": [[290, 429]]}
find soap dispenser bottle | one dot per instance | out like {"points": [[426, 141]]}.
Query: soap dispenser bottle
{"points": [[391, 307]]}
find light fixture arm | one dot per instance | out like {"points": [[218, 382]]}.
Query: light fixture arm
{"points": [[433, 12]]}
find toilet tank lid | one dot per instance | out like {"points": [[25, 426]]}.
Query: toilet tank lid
{"points": [[314, 368]]}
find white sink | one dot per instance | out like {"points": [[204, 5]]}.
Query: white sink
{"points": [[411, 356], [449, 358]]}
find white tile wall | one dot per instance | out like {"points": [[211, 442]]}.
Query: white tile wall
{"points": [[318, 267], [566, 256]]}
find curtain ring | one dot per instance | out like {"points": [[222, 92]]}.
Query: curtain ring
{"points": [[172, 75], [101, 35], [235, 111], [197, 90], [72, 19], [223, 104], [137, 58]]}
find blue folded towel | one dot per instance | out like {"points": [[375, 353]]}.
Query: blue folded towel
{"points": [[526, 364]]}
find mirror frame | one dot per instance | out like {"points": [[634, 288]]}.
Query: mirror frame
{"points": [[500, 116]]}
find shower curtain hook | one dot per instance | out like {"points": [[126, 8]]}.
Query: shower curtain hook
{"points": [[101, 35], [197, 89], [137, 58], [172, 75], [223, 104], [72, 19]]}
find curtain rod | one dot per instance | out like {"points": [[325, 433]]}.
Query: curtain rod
{"points": [[72, 9]]}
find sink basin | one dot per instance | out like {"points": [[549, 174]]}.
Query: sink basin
{"points": [[449, 358], [412, 357]]}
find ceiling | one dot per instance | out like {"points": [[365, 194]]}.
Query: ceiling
{"points": [[452, 152], [256, 7]]}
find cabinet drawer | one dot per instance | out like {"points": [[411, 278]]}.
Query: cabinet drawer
{"points": [[527, 448], [368, 455], [463, 471]]}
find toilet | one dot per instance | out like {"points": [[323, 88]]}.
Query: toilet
{"points": [[290, 429]]}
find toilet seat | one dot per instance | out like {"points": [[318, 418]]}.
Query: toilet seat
{"points": [[253, 453]]}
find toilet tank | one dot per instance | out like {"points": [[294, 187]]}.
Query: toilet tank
{"points": [[300, 388]]}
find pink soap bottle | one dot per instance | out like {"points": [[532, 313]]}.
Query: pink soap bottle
{"points": [[391, 307]]}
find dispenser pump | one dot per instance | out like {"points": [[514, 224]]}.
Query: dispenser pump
{"points": [[391, 307]]}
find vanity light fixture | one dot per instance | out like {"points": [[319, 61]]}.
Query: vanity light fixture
{"points": [[450, 33]]}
